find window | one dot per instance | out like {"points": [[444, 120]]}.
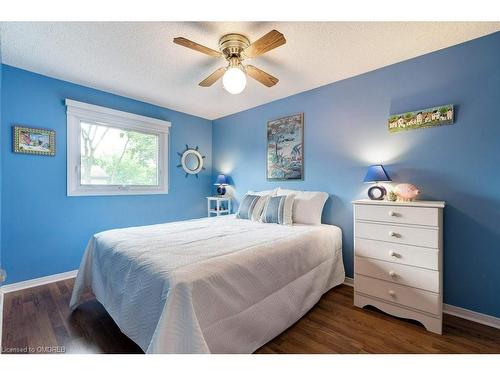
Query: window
{"points": [[115, 153]]}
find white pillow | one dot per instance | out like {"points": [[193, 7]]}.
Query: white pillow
{"points": [[307, 205]]}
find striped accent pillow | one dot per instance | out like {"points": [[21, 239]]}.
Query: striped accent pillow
{"points": [[247, 207], [278, 210]]}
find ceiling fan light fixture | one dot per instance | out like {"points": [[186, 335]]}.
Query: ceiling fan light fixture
{"points": [[235, 48], [234, 80]]}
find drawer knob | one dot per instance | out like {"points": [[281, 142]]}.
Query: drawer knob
{"points": [[393, 234], [392, 274], [393, 254], [392, 293], [392, 213]]}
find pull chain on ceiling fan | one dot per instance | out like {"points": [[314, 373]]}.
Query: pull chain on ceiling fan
{"points": [[235, 48]]}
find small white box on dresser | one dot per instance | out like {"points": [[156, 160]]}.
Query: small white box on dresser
{"points": [[398, 259]]}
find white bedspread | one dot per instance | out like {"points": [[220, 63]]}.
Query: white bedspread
{"points": [[213, 285]]}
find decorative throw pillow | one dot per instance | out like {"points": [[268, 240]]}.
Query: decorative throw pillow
{"points": [[251, 206], [307, 206], [278, 210]]}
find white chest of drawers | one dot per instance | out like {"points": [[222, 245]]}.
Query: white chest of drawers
{"points": [[398, 252]]}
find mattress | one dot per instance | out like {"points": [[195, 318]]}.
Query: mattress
{"points": [[211, 285]]}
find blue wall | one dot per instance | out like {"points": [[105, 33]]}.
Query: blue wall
{"points": [[44, 231], [345, 131]]}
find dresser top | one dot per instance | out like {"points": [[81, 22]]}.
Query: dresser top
{"points": [[417, 203]]}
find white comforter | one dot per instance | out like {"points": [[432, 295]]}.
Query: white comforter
{"points": [[214, 285]]}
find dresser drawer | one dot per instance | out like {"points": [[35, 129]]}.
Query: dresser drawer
{"points": [[403, 295], [427, 237], [398, 214], [398, 253], [398, 273]]}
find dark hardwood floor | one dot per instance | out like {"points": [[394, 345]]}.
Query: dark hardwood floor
{"points": [[38, 319]]}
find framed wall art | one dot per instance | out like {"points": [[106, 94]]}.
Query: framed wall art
{"points": [[285, 148], [34, 140], [424, 118]]}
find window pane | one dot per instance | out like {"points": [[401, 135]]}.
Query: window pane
{"points": [[112, 156]]}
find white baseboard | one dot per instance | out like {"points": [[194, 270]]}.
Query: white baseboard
{"points": [[349, 281], [474, 316], [477, 317], [37, 282]]}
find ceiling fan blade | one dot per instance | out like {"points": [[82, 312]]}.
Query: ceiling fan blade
{"points": [[268, 42], [261, 76], [210, 80], [197, 47]]}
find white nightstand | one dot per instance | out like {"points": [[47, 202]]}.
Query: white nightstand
{"points": [[218, 208], [398, 259]]}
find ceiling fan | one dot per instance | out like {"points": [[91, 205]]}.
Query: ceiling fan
{"points": [[235, 48]]}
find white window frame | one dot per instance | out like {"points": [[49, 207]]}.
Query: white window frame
{"points": [[76, 112]]}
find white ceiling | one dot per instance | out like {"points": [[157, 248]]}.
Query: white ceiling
{"points": [[139, 60]]}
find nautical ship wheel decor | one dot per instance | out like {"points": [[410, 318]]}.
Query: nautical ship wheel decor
{"points": [[191, 161]]}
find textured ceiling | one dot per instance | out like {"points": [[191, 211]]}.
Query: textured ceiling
{"points": [[139, 60]]}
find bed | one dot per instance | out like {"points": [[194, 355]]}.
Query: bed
{"points": [[211, 285]]}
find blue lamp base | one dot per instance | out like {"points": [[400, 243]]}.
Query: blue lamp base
{"points": [[221, 190]]}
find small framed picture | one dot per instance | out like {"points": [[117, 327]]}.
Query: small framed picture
{"points": [[34, 140]]}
